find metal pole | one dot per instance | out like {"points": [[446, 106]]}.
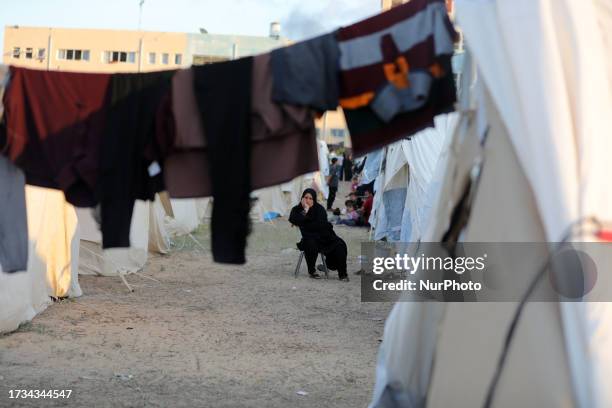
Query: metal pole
{"points": [[140, 4], [140, 42], [49, 51]]}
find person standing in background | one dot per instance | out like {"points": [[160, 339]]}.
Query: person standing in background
{"points": [[347, 165], [340, 161], [332, 182]]}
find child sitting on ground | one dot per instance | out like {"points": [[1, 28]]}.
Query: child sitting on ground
{"points": [[354, 183], [351, 216], [357, 201]]}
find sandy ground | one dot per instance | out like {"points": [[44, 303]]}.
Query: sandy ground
{"points": [[205, 335]]}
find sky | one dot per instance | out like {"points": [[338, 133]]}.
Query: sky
{"points": [[300, 19]]}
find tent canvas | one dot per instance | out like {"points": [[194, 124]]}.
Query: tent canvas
{"points": [[538, 115], [151, 230], [403, 201], [319, 177], [269, 200], [114, 261], [52, 260]]}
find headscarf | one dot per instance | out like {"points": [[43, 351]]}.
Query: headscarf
{"points": [[312, 193]]}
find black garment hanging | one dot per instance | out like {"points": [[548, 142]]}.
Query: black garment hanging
{"points": [[223, 94], [127, 173]]}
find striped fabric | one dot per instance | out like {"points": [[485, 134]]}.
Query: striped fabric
{"points": [[395, 72]]}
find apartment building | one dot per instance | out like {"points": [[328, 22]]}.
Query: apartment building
{"points": [[91, 50]]}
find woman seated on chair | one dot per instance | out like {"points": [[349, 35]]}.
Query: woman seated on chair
{"points": [[318, 236]]}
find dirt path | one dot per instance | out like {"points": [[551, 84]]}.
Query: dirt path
{"points": [[205, 335]]}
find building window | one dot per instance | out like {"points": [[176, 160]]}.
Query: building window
{"points": [[337, 132], [41, 53], [29, 53], [165, 58], [71, 55], [178, 59], [152, 58], [111, 57], [16, 52], [207, 59]]}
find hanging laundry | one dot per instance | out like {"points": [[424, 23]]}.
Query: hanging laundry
{"points": [[306, 73], [128, 168], [395, 72], [13, 218], [89, 135], [54, 128], [223, 95], [283, 141]]}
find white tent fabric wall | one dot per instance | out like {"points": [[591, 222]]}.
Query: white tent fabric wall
{"points": [[405, 182], [537, 361], [186, 217], [404, 359], [54, 238], [497, 215], [114, 261], [404, 366], [22, 296], [159, 237], [269, 199], [319, 177], [378, 219], [277, 199], [561, 350], [559, 113], [423, 157], [371, 168], [52, 260], [204, 208], [390, 188]]}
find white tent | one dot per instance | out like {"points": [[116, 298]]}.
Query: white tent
{"points": [[151, 230], [114, 261], [269, 200], [52, 260], [293, 190], [204, 207], [319, 177], [546, 98], [185, 217], [404, 191]]}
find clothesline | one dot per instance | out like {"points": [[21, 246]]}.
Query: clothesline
{"points": [[223, 129]]}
